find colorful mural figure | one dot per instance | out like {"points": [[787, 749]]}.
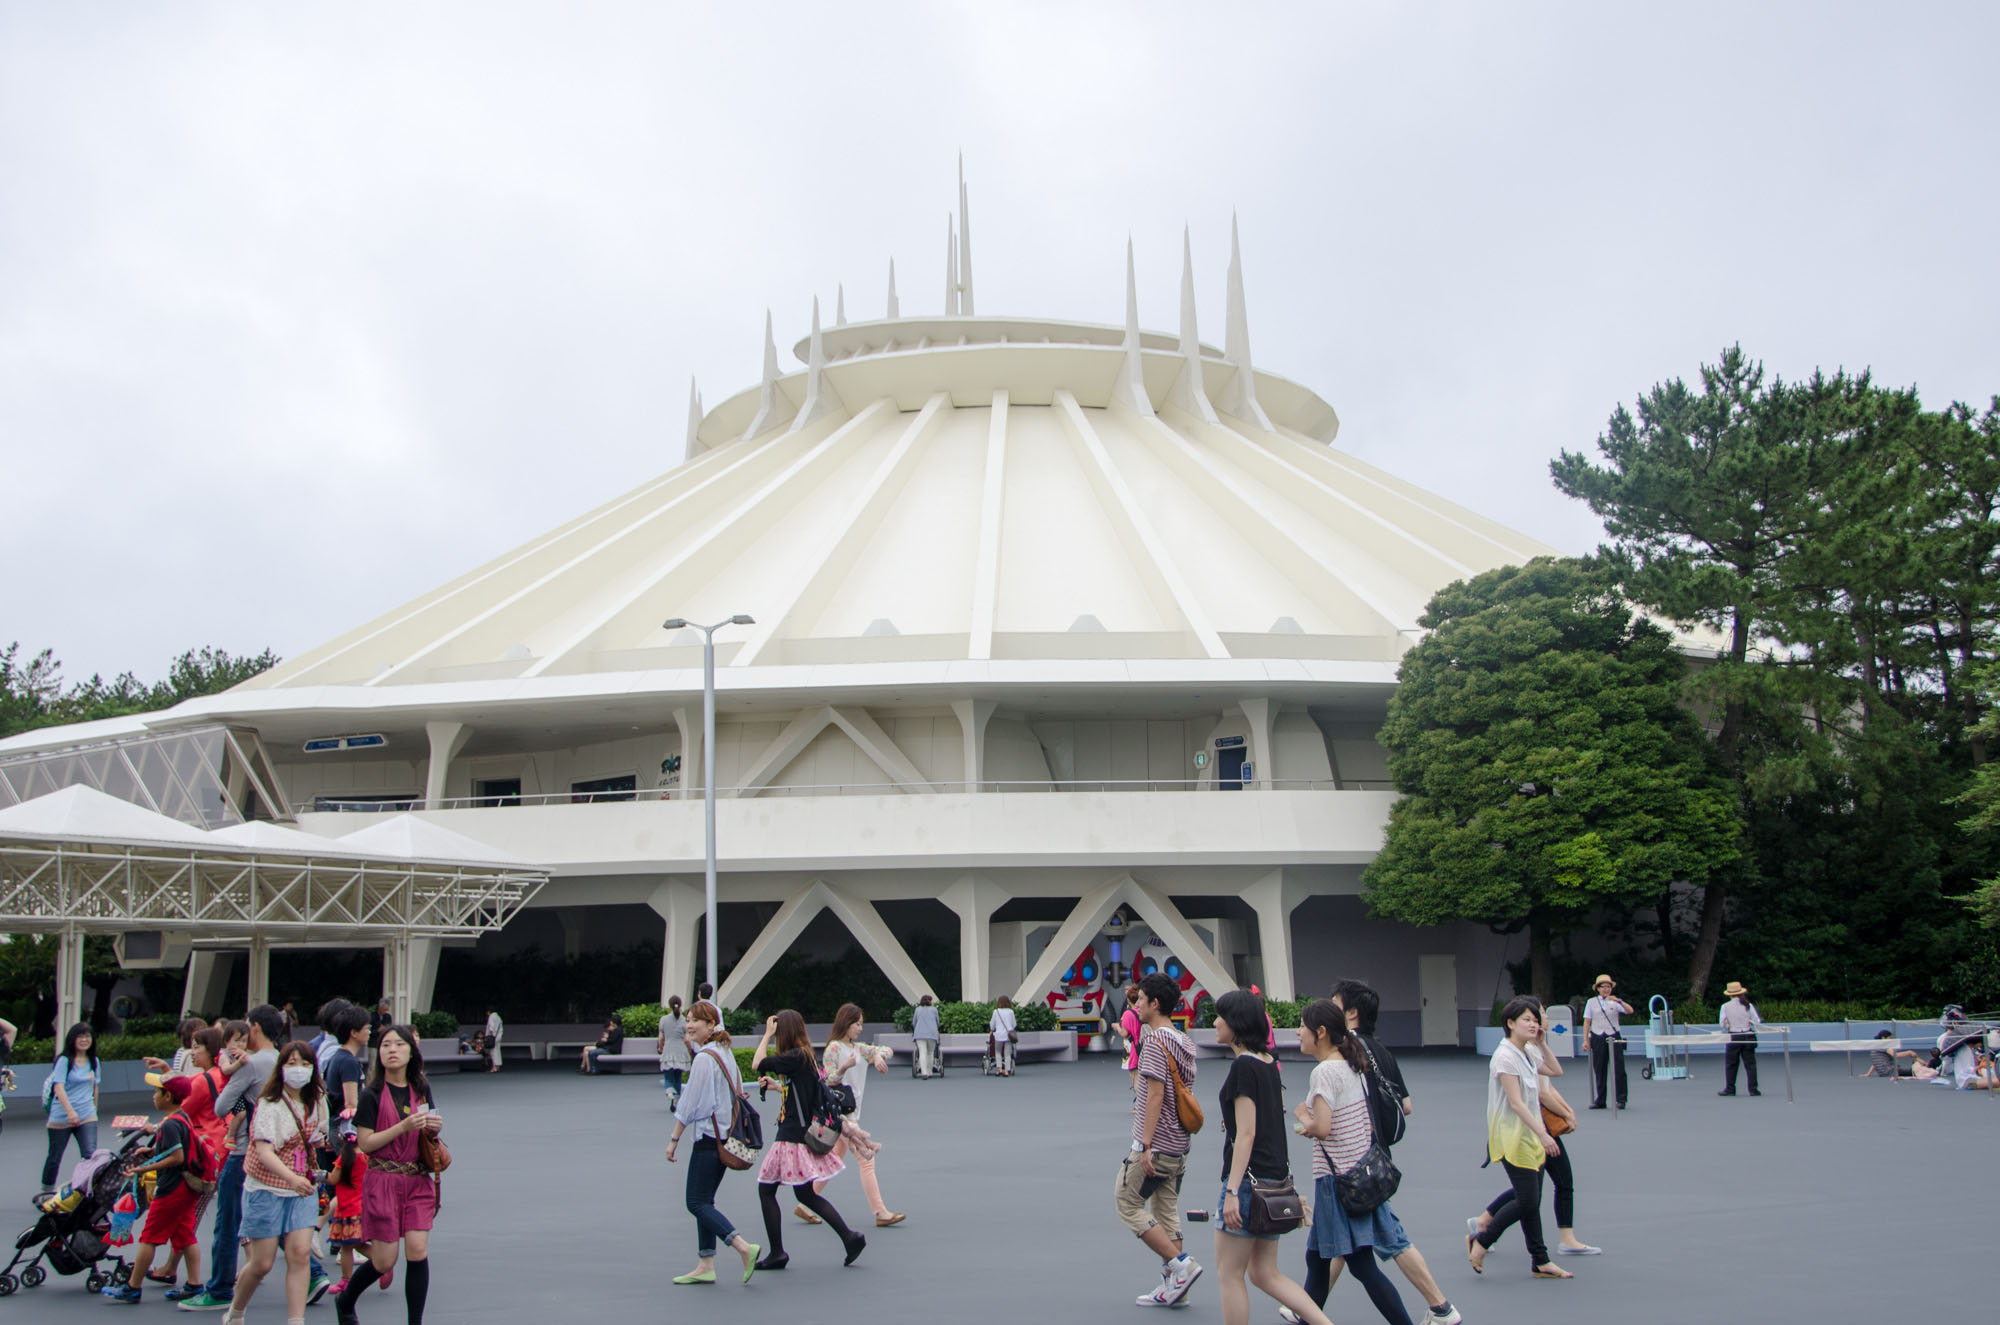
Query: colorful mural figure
{"points": [[1080, 999]]}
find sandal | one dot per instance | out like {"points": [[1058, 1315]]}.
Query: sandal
{"points": [[1552, 1271], [807, 1215], [889, 1220], [1479, 1265]]}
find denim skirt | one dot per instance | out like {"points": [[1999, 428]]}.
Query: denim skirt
{"points": [[1336, 1233]]}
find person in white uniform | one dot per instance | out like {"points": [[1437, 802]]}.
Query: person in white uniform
{"points": [[1607, 1041]]}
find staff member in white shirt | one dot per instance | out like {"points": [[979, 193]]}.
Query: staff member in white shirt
{"points": [[1740, 1022], [1607, 1044]]}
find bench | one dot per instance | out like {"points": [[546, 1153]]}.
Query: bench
{"points": [[624, 1062], [453, 1062]]}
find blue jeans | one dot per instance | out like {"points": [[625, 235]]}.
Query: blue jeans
{"points": [[670, 1080], [704, 1176], [86, 1145], [228, 1219]]}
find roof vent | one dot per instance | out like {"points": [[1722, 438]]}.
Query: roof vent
{"points": [[879, 627], [1086, 625], [1285, 625]]}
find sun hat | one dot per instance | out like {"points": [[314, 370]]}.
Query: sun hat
{"points": [[1603, 980], [1733, 988]]}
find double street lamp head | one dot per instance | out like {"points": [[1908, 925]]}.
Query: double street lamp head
{"points": [[682, 623]]}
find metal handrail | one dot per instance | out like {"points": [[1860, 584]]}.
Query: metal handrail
{"points": [[1006, 786]]}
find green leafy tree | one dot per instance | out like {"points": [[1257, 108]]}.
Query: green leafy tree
{"points": [[32, 692], [1547, 767]]}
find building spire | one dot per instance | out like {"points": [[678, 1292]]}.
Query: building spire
{"points": [[964, 243], [1239, 397], [821, 398], [773, 408], [1130, 388], [950, 267], [694, 418], [895, 309], [1189, 392], [840, 305]]}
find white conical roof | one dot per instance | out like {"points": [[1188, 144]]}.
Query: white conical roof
{"points": [[79, 813], [936, 489]]}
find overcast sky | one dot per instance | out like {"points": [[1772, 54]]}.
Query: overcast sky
{"points": [[304, 309]]}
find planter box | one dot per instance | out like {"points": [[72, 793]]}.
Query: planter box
{"points": [[1041, 1046], [123, 1077]]}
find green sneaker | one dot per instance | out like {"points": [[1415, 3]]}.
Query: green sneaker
{"points": [[316, 1288], [204, 1302]]}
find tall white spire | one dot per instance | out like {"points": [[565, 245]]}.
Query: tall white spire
{"points": [[773, 406], [1189, 392], [840, 305], [895, 309], [950, 267], [1130, 388], [821, 399], [694, 418], [1239, 397], [964, 243]]}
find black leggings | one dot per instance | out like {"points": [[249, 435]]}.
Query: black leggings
{"points": [[774, 1228], [1560, 1178], [1522, 1204], [1367, 1271]]}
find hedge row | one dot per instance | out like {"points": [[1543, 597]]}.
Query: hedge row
{"points": [[642, 1020], [1779, 1012], [110, 1048], [958, 1018]]}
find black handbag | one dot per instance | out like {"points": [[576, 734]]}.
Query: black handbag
{"points": [[738, 1149], [1373, 1180], [1274, 1207]]}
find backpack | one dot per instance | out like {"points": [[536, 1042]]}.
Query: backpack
{"points": [[198, 1166], [1385, 1102]]}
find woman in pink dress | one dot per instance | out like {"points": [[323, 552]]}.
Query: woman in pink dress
{"points": [[399, 1198]]}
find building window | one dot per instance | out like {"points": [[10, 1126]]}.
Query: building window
{"points": [[604, 789], [490, 792], [364, 802]]}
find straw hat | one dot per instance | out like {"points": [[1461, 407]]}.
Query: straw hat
{"points": [[1733, 989], [1603, 980]]}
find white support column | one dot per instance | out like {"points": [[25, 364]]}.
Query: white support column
{"points": [[764, 951], [207, 982], [973, 715], [1274, 899], [258, 984], [862, 920], [689, 721], [423, 973], [975, 900], [1172, 927], [396, 978], [1092, 910], [682, 907], [879, 942], [69, 978], [447, 739], [1259, 713]]}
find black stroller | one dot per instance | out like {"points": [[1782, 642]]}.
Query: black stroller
{"points": [[75, 1240]]}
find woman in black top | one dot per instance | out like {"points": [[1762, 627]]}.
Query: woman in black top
{"points": [[1253, 1146], [788, 1161]]}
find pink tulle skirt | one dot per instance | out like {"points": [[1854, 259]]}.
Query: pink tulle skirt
{"points": [[790, 1163]]}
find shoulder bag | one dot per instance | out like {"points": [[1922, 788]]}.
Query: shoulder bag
{"points": [[822, 1124], [433, 1155], [1274, 1207], [1185, 1104], [1374, 1177], [739, 1146]]}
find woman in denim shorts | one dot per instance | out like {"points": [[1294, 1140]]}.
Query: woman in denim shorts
{"points": [[280, 1192]]}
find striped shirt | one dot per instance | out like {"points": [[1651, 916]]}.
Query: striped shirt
{"points": [[1342, 1089], [1169, 1137]]}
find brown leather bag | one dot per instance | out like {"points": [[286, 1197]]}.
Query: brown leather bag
{"points": [[1185, 1104]]}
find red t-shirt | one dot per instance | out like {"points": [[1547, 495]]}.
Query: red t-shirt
{"points": [[347, 1195]]}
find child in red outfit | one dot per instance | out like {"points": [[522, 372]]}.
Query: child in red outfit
{"points": [[176, 1206], [344, 1232]]}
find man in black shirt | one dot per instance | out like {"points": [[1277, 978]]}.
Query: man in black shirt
{"points": [[1362, 1006]]}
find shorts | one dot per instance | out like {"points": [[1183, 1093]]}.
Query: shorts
{"points": [[268, 1214], [1243, 1209], [1165, 1200], [393, 1204], [171, 1220]]}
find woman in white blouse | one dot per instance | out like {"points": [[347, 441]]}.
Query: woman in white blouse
{"points": [[847, 1062], [1001, 1028], [708, 1106]]}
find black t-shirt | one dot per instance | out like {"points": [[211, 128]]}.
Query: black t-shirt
{"points": [[342, 1068], [801, 1091], [366, 1112], [1260, 1081], [173, 1135], [613, 1039]]}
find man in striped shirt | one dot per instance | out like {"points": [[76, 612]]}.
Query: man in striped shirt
{"points": [[1151, 1173]]}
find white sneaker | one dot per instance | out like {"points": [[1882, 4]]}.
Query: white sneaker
{"points": [[1450, 1317], [1180, 1275], [1289, 1316]]}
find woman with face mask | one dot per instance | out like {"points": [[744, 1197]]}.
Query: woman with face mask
{"points": [[280, 1194], [400, 1198]]}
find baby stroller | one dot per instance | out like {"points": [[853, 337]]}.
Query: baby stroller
{"points": [[74, 1225]]}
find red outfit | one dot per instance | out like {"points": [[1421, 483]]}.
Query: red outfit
{"points": [[345, 1230], [393, 1204], [171, 1219]]}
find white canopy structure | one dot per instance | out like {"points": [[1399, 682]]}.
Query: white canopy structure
{"points": [[78, 861]]}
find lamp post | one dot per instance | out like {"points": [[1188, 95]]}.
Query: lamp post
{"points": [[708, 758]]}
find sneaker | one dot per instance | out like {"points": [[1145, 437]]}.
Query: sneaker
{"points": [[1289, 1316], [123, 1293], [1180, 1274], [316, 1288], [183, 1293], [206, 1301], [1156, 1298], [340, 1288], [1447, 1315], [1585, 1250]]}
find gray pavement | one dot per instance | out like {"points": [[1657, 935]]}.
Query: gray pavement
{"points": [[1856, 1203]]}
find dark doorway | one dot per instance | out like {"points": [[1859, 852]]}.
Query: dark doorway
{"points": [[1229, 768], [490, 792]]}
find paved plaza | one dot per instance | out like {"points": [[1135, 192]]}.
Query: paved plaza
{"points": [[1852, 1204]]}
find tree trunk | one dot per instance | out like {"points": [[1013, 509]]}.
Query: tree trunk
{"points": [[1541, 963], [1706, 941]]}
